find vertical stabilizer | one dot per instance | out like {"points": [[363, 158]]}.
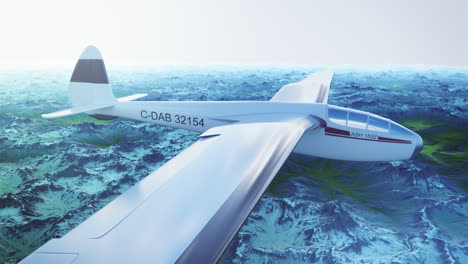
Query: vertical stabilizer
{"points": [[89, 89], [89, 84]]}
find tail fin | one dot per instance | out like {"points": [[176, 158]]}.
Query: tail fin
{"points": [[89, 84], [89, 89]]}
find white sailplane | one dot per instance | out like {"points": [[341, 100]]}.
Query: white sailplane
{"points": [[190, 209]]}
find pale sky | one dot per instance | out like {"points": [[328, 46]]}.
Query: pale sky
{"points": [[250, 32]]}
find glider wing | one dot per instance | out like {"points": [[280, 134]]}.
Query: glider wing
{"points": [[190, 209]]}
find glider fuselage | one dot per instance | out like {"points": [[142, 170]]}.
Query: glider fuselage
{"points": [[347, 134]]}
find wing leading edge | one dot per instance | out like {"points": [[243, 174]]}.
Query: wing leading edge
{"points": [[191, 208]]}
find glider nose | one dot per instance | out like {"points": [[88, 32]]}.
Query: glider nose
{"points": [[419, 144]]}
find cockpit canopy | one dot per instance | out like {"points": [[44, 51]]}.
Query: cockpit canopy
{"points": [[363, 120]]}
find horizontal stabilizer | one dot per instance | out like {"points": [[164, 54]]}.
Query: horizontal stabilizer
{"points": [[89, 108], [75, 110]]}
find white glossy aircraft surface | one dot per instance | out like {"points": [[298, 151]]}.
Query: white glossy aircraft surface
{"points": [[190, 209]]}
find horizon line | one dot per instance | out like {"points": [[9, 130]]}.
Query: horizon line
{"points": [[369, 67]]}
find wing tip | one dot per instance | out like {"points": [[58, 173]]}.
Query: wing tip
{"points": [[328, 74]]}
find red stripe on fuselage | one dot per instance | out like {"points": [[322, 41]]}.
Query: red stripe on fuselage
{"points": [[394, 140], [329, 131], [337, 131]]}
